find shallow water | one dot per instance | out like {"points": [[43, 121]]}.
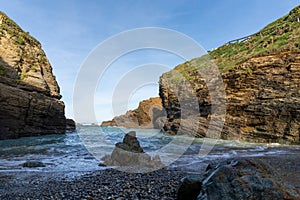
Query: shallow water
{"points": [[81, 151]]}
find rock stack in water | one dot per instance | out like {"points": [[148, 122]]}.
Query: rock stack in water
{"points": [[130, 153], [29, 94]]}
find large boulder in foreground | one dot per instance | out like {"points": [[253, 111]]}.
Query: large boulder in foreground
{"points": [[29, 94], [130, 153], [238, 179]]}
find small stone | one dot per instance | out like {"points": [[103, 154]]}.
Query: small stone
{"points": [[33, 164]]}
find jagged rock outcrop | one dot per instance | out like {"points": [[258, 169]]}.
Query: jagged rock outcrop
{"points": [[149, 114], [29, 94], [262, 83], [237, 178]]}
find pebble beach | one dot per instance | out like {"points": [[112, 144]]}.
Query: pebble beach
{"points": [[106, 184], [114, 184]]}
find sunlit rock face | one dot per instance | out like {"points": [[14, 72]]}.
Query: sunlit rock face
{"points": [[30, 98], [261, 79], [262, 97], [149, 114]]}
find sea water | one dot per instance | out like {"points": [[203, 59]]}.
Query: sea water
{"points": [[81, 151]]}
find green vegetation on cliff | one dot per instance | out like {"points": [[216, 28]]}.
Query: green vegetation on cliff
{"points": [[30, 99], [281, 35], [23, 62], [8, 26], [260, 74]]}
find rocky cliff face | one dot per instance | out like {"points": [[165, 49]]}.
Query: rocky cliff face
{"points": [[261, 77], [30, 100], [263, 100], [149, 114]]}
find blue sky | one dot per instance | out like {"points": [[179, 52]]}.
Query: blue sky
{"points": [[69, 30]]}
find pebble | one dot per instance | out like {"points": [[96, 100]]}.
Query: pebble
{"points": [[105, 184]]}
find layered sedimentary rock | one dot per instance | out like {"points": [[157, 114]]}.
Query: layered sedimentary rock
{"points": [[149, 114], [261, 80], [29, 94], [262, 97], [260, 77]]}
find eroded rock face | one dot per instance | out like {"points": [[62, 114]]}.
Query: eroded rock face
{"points": [[149, 114], [238, 178], [29, 94], [263, 100]]}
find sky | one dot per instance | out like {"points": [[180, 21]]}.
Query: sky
{"points": [[70, 30]]}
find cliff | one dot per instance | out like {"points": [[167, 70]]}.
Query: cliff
{"points": [[261, 75], [149, 114], [29, 94]]}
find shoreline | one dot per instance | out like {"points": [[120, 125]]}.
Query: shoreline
{"points": [[113, 184]]}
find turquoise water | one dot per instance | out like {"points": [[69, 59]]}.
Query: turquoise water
{"points": [[82, 150]]}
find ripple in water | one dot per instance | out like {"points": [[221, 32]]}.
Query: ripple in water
{"points": [[66, 153]]}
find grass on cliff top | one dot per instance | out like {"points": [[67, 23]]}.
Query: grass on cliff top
{"points": [[10, 27], [282, 34]]}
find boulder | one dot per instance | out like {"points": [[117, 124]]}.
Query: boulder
{"points": [[238, 178], [130, 153], [189, 188], [33, 164], [70, 125]]}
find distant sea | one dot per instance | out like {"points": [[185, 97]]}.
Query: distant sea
{"points": [[69, 154]]}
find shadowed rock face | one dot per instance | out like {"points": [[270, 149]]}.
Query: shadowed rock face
{"points": [[29, 94], [149, 114], [237, 179]]}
